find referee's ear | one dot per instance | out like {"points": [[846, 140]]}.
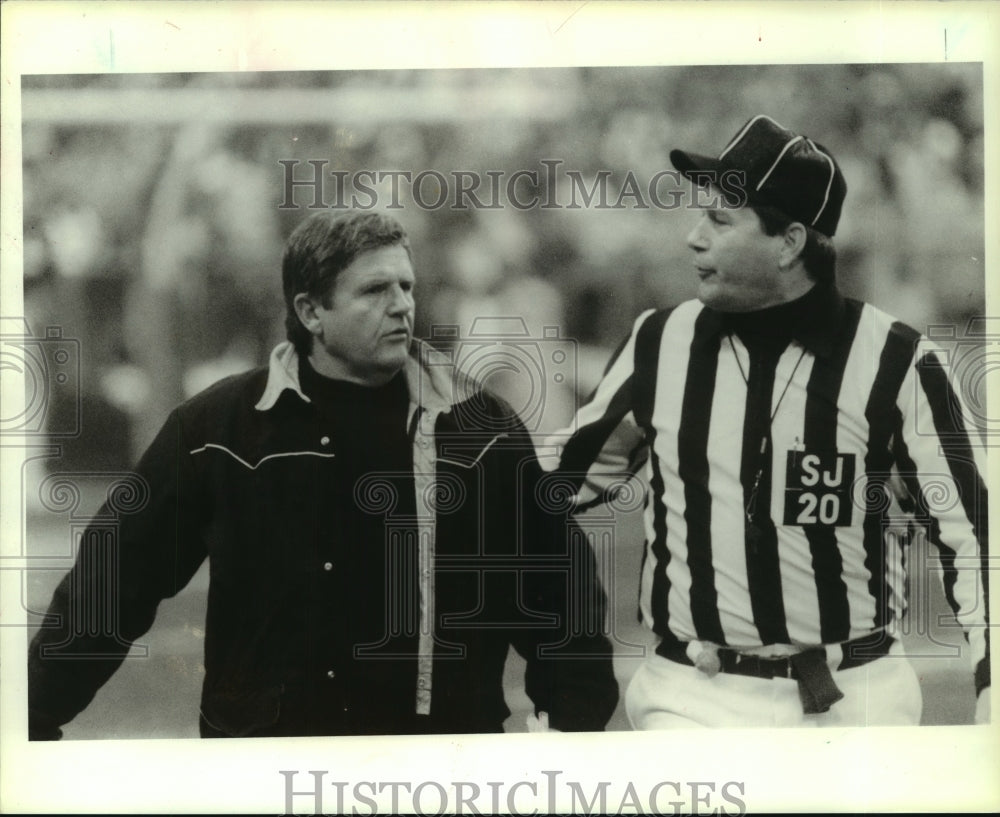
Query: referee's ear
{"points": [[793, 243]]}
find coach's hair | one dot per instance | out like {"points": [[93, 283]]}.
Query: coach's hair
{"points": [[320, 248], [819, 256]]}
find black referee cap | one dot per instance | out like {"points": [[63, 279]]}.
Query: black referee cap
{"points": [[779, 168]]}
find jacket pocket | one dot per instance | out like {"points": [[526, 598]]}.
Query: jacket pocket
{"points": [[239, 713]]}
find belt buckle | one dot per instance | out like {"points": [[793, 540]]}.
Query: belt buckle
{"points": [[761, 667], [776, 667], [789, 669]]}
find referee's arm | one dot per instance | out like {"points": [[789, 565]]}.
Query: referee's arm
{"points": [[605, 445], [942, 460]]}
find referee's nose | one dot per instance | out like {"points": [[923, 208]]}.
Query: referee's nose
{"points": [[696, 239]]}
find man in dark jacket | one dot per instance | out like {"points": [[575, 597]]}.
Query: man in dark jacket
{"points": [[373, 530]]}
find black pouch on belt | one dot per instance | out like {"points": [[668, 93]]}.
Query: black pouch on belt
{"points": [[817, 689]]}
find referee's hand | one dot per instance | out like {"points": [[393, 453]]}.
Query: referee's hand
{"points": [[982, 706]]}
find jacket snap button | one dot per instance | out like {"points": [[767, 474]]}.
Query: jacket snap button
{"points": [[331, 674], [328, 566], [324, 441]]}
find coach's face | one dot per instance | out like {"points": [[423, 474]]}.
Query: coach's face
{"points": [[737, 264], [365, 332]]}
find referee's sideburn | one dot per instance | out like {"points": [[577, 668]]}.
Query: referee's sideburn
{"points": [[777, 425]]}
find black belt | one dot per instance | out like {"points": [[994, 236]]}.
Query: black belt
{"points": [[809, 667]]}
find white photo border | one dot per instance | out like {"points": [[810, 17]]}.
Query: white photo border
{"points": [[928, 769]]}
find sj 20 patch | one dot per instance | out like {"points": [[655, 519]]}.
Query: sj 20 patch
{"points": [[818, 488]]}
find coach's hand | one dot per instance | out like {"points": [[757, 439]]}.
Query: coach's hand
{"points": [[982, 706], [540, 723]]}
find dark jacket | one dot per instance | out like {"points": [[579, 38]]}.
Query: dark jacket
{"points": [[244, 474]]}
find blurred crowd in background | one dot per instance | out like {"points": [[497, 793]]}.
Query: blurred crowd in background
{"points": [[153, 224]]}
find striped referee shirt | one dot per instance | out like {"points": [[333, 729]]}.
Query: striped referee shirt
{"points": [[769, 478]]}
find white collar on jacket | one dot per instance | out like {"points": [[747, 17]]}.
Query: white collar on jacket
{"points": [[432, 379]]}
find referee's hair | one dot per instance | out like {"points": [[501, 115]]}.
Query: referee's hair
{"points": [[819, 256], [320, 248]]}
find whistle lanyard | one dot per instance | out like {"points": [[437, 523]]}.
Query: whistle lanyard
{"points": [[751, 506]]}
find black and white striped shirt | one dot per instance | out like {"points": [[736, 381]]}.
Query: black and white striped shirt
{"points": [[859, 402]]}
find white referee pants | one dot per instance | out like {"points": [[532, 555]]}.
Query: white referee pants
{"points": [[666, 695]]}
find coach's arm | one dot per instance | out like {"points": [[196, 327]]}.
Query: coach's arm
{"points": [[110, 596]]}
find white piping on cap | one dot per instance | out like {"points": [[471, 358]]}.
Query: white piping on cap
{"points": [[781, 155], [829, 184], [743, 132]]}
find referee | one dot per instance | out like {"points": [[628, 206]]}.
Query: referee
{"points": [[774, 420]]}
